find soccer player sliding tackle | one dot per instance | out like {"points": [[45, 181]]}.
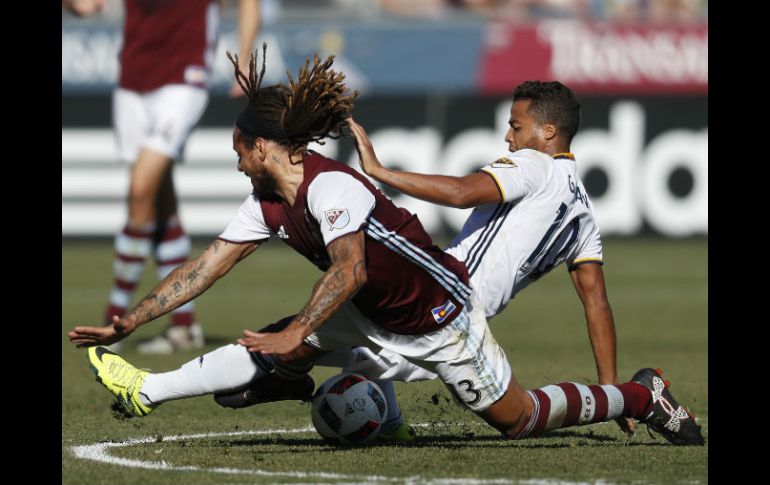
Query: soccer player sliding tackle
{"points": [[334, 217]]}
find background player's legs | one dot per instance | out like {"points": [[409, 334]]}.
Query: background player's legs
{"points": [[148, 174], [152, 129], [171, 247], [134, 242]]}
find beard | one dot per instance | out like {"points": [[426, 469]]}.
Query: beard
{"points": [[264, 185]]}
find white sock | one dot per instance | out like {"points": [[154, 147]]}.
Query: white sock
{"points": [[394, 418], [225, 368]]}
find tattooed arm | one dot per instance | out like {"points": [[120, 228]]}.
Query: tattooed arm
{"points": [[187, 281], [341, 282]]}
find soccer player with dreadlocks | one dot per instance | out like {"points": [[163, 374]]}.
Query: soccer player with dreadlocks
{"points": [[385, 284]]}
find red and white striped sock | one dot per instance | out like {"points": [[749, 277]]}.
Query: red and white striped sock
{"points": [[570, 404], [172, 249], [132, 246]]}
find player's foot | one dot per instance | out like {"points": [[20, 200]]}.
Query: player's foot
{"points": [[121, 379], [667, 416], [269, 388], [174, 338], [403, 434]]}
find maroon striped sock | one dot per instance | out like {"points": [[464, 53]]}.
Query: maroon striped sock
{"points": [[571, 404], [132, 246]]}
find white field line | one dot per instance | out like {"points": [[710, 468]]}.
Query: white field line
{"points": [[100, 452]]}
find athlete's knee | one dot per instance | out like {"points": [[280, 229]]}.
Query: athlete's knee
{"points": [[513, 432], [509, 425], [509, 415], [140, 193]]}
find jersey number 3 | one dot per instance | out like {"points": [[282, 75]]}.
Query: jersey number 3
{"points": [[474, 394]]}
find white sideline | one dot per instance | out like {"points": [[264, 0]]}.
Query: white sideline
{"points": [[100, 452]]}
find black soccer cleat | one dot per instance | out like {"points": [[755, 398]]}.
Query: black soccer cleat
{"points": [[667, 416], [269, 388]]}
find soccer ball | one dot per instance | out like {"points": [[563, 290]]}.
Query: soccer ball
{"points": [[348, 410]]}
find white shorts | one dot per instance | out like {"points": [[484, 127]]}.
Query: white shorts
{"points": [[160, 120], [384, 364], [464, 354]]}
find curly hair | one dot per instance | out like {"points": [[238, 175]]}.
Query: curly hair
{"points": [[551, 102], [310, 108]]}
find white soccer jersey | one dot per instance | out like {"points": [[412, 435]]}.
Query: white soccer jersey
{"points": [[544, 220], [340, 203]]}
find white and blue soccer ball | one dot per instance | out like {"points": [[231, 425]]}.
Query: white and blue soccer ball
{"points": [[349, 410]]}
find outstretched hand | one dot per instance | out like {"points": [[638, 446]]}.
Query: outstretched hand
{"points": [[366, 156], [278, 343], [119, 329]]}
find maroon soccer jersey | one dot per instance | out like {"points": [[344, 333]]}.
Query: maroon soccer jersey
{"points": [[168, 42], [412, 287]]}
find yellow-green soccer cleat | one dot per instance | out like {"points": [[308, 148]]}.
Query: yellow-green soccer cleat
{"points": [[120, 378], [402, 434]]}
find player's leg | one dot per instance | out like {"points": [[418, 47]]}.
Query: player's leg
{"points": [[270, 378], [286, 379], [520, 414], [133, 242], [174, 111], [380, 367], [334, 334], [232, 367], [222, 370], [139, 392], [171, 247], [475, 376], [334, 339]]}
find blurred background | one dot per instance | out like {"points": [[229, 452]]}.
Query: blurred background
{"points": [[436, 78]]}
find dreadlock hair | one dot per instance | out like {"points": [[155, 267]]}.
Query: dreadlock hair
{"points": [[551, 102], [310, 108]]}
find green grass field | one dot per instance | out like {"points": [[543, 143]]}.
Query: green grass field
{"points": [[658, 290]]}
